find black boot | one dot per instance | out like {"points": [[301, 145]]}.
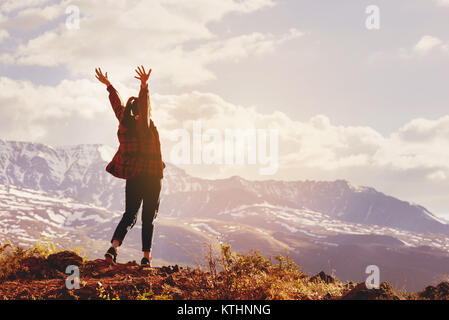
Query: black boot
{"points": [[111, 255], [145, 262]]}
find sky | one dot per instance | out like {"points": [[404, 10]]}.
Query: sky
{"points": [[368, 105]]}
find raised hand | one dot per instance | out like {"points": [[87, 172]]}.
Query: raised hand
{"points": [[102, 78], [142, 75]]}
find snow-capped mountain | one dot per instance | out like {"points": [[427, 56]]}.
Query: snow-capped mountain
{"points": [[66, 195], [79, 172], [314, 240]]}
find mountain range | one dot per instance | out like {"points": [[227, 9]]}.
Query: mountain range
{"points": [[64, 194]]}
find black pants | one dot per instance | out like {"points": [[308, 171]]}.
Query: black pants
{"points": [[140, 188]]}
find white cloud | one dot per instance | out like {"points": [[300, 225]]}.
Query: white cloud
{"points": [[417, 145], [29, 15], [3, 35], [442, 3], [8, 6], [190, 67], [437, 176], [423, 47], [426, 44], [316, 143], [143, 32], [410, 163], [33, 112], [242, 46], [30, 19]]}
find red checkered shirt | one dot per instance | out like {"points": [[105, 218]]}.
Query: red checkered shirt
{"points": [[136, 154]]}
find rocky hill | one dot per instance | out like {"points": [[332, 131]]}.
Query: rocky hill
{"points": [[35, 274]]}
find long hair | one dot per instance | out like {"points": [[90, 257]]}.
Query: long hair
{"points": [[135, 124], [131, 110]]}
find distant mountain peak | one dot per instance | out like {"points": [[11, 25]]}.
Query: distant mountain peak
{"points": [[78, 171]]}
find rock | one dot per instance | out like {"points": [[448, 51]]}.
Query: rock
{"points": [[323, 277], [170, 280], [90, 268], [170, 269], [35, 265], [37, 268], [440, 292], [24, 294], [361, 292], [86, 292], [62, 259]]}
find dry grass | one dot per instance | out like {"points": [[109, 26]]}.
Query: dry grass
{"points": [[253, 277], [226, 276], [11, 258]]}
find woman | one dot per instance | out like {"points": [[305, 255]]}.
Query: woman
{"points": [[139, 161]]}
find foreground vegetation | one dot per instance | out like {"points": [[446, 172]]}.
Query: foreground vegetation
{"points": [[39, 273]]}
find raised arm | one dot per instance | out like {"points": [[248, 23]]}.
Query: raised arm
{"points": [[143, 103], [114, 97]]}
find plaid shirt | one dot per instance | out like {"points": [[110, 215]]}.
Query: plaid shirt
{"points": [[138, 153]]}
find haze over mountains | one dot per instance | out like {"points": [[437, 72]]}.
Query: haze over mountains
{"points": [[65, 194]]}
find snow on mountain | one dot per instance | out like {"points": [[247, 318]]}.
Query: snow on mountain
{"points": [[79, 172], [30, 215]]}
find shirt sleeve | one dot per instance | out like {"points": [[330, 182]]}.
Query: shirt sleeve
{"points": [[116, 102], [143, 104]]}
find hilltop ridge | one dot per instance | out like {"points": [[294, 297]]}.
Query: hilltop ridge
{"points": [[36, 274]]}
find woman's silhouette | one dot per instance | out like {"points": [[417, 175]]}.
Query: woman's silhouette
{"points": [[138, 160]]}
